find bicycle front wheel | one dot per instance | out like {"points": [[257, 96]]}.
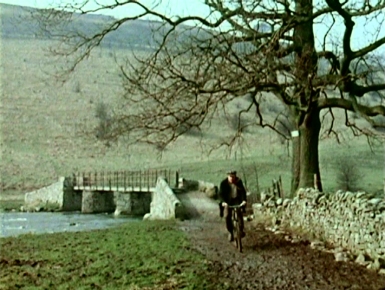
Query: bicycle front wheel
{"points": [[239, 237], [237, 233]]}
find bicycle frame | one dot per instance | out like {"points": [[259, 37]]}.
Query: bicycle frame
{"points": [[237, 231]]}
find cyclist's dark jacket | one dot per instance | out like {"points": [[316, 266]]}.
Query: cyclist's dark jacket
{"points": [[225, 192]]}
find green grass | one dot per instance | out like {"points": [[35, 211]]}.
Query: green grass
{"points": [[12, 204], [132, 256]]}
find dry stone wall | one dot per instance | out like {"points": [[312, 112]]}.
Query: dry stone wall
{"points": [[352, 221], [52, 194], [164, 202]]}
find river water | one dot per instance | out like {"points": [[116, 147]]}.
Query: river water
{"points": [[18, 223]]}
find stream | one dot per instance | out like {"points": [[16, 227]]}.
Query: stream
{"points": [[18, 223]]}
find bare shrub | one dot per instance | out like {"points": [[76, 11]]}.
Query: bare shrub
{"points": [[285, 126], [188, 130], [104, 125], [77, 88], [238, 122], [348, 174]]}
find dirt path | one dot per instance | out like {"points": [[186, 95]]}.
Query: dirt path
{"points": [[269, 261]]}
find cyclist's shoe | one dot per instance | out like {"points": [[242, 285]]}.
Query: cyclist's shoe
{"points": [[230, 238], [243, 234]]}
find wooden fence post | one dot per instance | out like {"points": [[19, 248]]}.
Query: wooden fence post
{"points": [[124, 180], [315, 182], [109, 179]]}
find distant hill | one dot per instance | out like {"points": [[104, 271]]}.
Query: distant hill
{"points": [[19, 22]]}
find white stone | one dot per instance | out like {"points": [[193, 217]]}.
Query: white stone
{"points": [[374, 266], [341, 257], [360, 259], [317, 244], [147, 216], [375, 201]]}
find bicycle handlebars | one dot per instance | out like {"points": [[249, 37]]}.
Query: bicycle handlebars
{"points": [[235, 206]]}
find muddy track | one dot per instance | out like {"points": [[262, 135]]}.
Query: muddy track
{"points": [[269, 261]]}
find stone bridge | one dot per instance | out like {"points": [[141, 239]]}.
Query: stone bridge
{"points": [[146, 193]]}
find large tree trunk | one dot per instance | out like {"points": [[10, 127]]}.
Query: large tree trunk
{"points": [[305, 146], [309, 159]]}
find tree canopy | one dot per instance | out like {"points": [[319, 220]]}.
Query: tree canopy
{"points": [[310, 56]]}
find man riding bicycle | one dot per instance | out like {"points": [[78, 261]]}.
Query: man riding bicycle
{"points": [[232, 192]]}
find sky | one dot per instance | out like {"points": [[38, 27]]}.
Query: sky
{"points": [[178, 7], [361, 37]]}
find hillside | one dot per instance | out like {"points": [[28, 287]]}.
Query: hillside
{"points": [[43, 123], [23, 23]]}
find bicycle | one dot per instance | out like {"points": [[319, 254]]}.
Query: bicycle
{"points": [[237, 231]]}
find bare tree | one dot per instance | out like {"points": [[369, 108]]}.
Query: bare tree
{"points": [[245, 47]]}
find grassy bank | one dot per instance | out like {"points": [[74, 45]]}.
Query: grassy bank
{"points": [[143, 255], [11, 200], [11, 205]]}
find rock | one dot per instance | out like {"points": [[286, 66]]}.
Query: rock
{"points": [[212, 192], [257, 206], [147, 217], [317, 244], [381, 206], [189, 185], [286, 202], [210, 189], [381, 271], [318, 197], [279, 232], [375, 265], [361, 259], [375, 201], [279, 201], [341, 256], [361, 194], [381, 260]]}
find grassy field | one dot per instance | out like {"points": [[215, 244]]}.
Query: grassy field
{"points": [[136, 255], [44, 125]]}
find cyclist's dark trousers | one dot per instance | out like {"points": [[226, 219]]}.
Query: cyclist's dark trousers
{"points": [[228, 215]]}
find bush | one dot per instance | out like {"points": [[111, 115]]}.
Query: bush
{"points": [[77, 88], [239, 122], [188, 130], [348, 174], [105, 119]]}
